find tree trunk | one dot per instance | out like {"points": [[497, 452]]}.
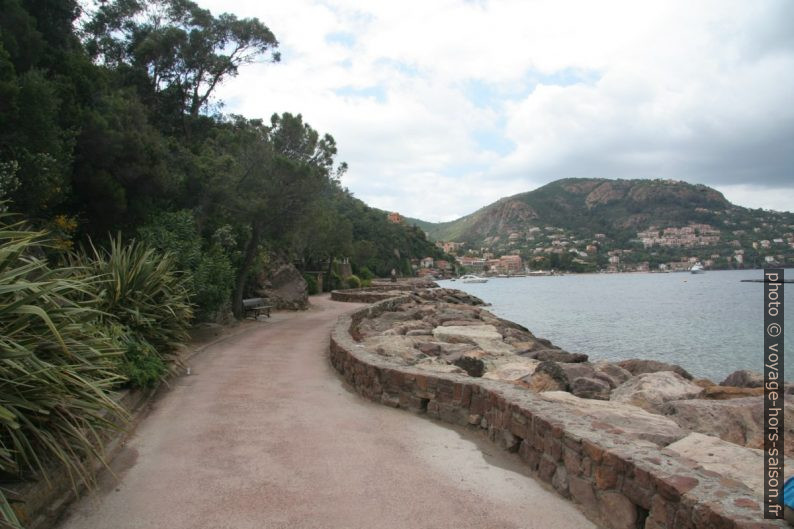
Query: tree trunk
{"points": [[242, 274]]}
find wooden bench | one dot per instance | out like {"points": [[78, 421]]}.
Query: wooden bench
{"points": [[256, 306]]}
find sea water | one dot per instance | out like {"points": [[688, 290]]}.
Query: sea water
{"points": [[711, 324]]}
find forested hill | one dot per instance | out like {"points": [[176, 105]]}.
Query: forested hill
{"points": [[115, 128], [618, 209]]}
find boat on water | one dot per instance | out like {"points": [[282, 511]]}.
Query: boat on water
{"points": [[537, 273], [697, 268], [471, 278]]}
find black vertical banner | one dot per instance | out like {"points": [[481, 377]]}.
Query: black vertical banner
{"points": [[773, 393]]}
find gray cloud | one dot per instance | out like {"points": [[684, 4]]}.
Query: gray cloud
{"points": [[425, 100]]}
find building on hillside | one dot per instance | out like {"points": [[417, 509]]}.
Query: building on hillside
{"points": [[441, 264], [450, 247], [395, 218], [427, 262], [510, 264], [493, 265]]}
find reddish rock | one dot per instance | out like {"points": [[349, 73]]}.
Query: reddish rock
{"points": [[617, 510], [590, 388], [651, 390], [612, 374], [730, 392], [582, 491], [429, 348], [673, 487], [638, 366], [548, 376], [747, 503], [557, 355], [605, 477], [744, 379]]}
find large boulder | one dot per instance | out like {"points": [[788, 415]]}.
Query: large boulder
{"points": [[651, 391], [471, 364], [629, 421], [285, 288], [385, 323], [399, 349], [556, 355], [744, 378], [738, 421], [574, 371], [638, 366], [512, 371], [466, 334], [434, 365], [485, 337], [548, 376], [734, 462], [590, 388], [730, 392], [612, 374]]}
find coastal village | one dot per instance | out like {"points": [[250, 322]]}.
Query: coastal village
{"points": [[550, 249]]}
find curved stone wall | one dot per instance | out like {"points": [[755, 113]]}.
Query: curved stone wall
{"points": [[361, 295], [620, 483]]}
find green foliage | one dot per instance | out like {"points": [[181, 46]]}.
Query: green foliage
{"points": [[353, 281], [211, 270], [141, 366], [141, 290], [364, 273], [335, 282], [184, 50], [120, 171], [311, 283], [56, 362]]}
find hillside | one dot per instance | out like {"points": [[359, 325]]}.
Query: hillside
{"points": [[616, 214]]}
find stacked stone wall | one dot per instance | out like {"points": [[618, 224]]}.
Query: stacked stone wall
{"points": [[620, 483]]}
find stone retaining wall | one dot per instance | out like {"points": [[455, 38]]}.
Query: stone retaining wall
{"points": [[360, 295], [619, 483]]}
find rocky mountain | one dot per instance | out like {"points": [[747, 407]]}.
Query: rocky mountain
{"points": [[592, 224], [618, 209]]}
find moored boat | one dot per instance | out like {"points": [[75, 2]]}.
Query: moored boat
{"points": [[471, 278]]}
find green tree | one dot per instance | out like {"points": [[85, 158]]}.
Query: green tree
{"points": [[184, 51]]}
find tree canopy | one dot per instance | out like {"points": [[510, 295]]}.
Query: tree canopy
{"points": [[113, 127]]}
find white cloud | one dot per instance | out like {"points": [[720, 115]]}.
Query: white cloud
{"points": [[418, 94]]}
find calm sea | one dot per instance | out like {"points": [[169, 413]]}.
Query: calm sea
{"points": [[711, 324]]}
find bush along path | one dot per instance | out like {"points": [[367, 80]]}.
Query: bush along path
{"points": [[71, 335]]}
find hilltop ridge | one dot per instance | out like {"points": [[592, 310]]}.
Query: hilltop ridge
{"points": [[590, 217]]}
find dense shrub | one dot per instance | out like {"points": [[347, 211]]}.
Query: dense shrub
{"points": [[334, 281], [311, 284], [57, 364], [141, 366], [212, 283], [142, 291], [353, 281], [365, 274], [210, 268]]}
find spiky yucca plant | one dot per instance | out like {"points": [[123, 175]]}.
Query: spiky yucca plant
{"points": [[142, 291], [56, 363]]}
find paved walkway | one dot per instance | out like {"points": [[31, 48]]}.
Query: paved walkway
{"points": [[263, 434]]}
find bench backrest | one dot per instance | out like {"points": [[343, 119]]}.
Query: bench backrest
{"points": [[253, 303]]}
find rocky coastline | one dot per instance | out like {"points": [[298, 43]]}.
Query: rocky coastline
{"points": [[447, 334]]}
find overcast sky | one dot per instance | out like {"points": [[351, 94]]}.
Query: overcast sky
{"points": [[441, 107]]}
